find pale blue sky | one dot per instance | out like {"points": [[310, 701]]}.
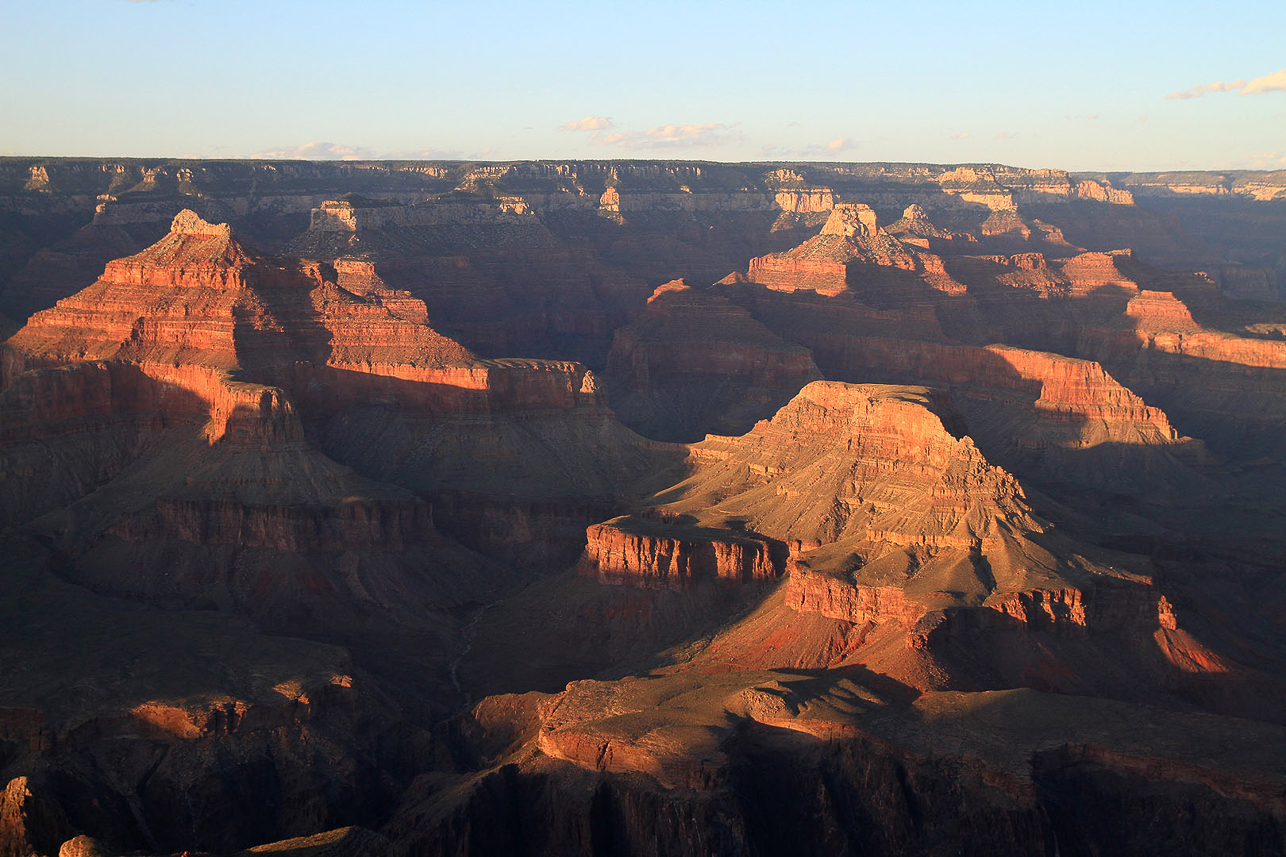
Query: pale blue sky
{"points": [[1074, 85]]}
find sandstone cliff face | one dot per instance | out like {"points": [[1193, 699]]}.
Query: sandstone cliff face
{"points": [[199, 299], [1045, 416], [221, 491], [1063, 390], [915, 227], [638, 552], [868, 476], [222, 487]]}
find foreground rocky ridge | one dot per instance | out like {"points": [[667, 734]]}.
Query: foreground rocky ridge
{"points": [[927, 603]]}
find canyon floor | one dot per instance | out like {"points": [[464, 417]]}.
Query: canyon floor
{"points": [[420, 508]]}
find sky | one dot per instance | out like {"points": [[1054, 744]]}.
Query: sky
{"points": [[1076, 85]]}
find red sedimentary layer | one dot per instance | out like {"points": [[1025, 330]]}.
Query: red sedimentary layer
{"points": [[84, 396], [1162, 322], [637, 551], [811, 592]]}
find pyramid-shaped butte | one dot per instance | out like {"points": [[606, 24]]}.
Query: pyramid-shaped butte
{"points": [[199, 297]]}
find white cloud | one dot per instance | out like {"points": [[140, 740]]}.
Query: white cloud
{"points": [[1275, 82], [589, 123], [963, 135], [671, 137], [1202, 89], [840, 144]]}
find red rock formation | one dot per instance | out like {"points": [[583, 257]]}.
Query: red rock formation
{"points": [[821, 264], [1228, 388], [842, 461], [1068, 393], [914, 227], [808, 591], [224, 492], [641, 552], [850, 251]]}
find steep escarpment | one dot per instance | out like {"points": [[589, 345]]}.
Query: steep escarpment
{"points": [[1225, 387], [639, 551], [850, 236]]}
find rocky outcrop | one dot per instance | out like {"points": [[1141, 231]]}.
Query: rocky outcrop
{"points": [[915, 227], [852, 254], [1045, 416], [1063, 390], [29, 823], [810, 592], [639, 552], [864, 481], [821, 264]]}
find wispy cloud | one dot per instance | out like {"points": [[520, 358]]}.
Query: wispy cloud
{"points": [[1006, 135], [589, 123], [430, 154], [326, 151], [1275, 82], [963, 135], [671, 137], [1267, 160], [816, 151], [319, 150]]}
